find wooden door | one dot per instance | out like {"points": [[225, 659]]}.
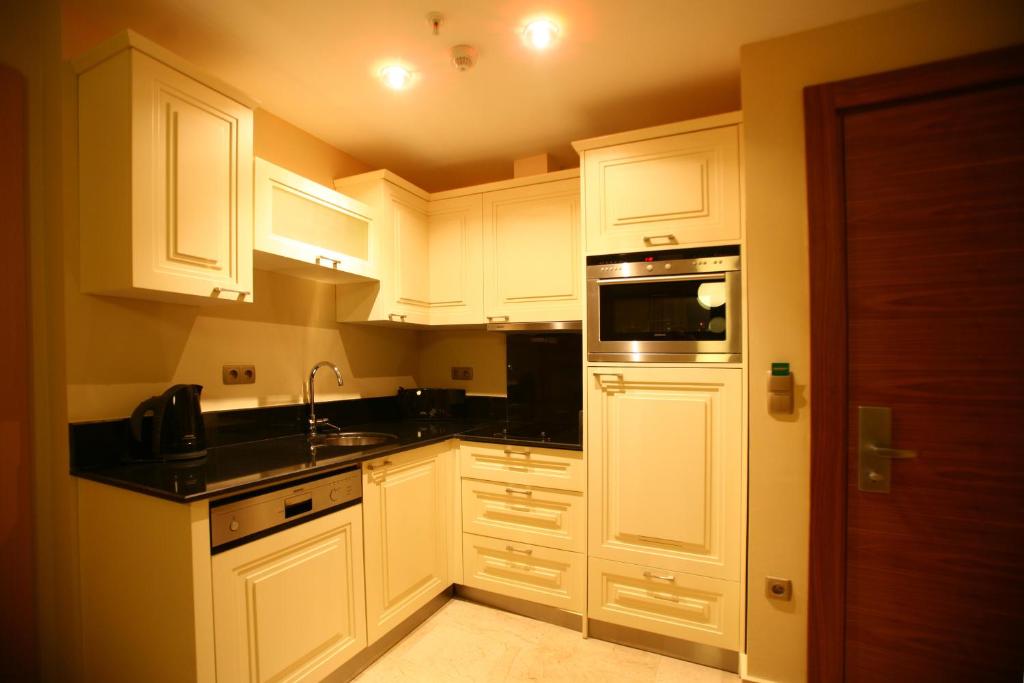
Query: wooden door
{"points": [[290, 606], [17, 583], [532, 257], [664, 450], [916, 187], [406, 515]]}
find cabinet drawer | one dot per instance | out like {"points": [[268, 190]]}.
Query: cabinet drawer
{"points": [[674, 604], [548, 467], [527, 514], [520, 570]]}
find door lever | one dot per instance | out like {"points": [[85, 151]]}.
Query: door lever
{"points": [[875, 456]]}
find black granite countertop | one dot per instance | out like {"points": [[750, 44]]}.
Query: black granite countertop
{"points": [[240, 465]]}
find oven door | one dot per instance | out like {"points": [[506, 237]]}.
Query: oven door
{"points": [[665, 318]]}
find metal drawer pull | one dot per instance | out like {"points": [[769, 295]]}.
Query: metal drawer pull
{"points": [[670, 239], [527, 551], [334, 262], [401, 317], [497, 318], [386, 463], [609, 374], [522, 493], [226, 290], [663, 596], [660, 577], [509, 451]]}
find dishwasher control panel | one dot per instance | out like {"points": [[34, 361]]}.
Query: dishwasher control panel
{"points": [[240, 517]]}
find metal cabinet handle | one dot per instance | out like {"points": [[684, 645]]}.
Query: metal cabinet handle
{"points": [[522, 493], [386, 463], [609, 374], [669, 238], [401, 317], [334, 262], [526, 551], [660, 577], [497, 318], [509, 451], [227, 290]]}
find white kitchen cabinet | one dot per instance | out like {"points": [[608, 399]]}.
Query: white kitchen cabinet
{"points": [[665, 451], [527, 465], [407, 518], [290, 606], [307, 230], [532, 257], [429, 260], [525, 514], [165, 177], [662, 188], [694, 608]]}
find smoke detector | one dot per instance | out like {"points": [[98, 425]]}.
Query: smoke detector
{"points": [[463, 57]]}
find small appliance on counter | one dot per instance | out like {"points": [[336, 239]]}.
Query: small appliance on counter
{"points": [[432, 404], [176, 430]]}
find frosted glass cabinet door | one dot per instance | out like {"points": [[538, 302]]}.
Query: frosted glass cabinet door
{"points": [[664, 448], [290, 606], [532, 253], [308, 230]]}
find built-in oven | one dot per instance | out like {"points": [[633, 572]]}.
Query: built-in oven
{"points": [[681, 305]]}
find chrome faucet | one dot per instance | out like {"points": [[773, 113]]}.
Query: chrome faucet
{"points": [[313, 421]]}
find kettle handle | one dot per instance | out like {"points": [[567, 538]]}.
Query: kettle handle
{"points": [[152, 404]]}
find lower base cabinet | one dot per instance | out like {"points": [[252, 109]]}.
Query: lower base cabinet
{"points": [[675, 604], [520, 570], [290, 607]]}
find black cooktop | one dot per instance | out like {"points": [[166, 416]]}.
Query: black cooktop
{"points": [[553, 434]]}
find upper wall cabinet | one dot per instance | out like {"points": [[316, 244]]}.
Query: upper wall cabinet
{"points": [[310, 231], [165, 177], [532, 259], [428, 256], [663, 187]]}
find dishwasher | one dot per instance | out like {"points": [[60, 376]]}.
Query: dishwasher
{"points": [[287, 578]]}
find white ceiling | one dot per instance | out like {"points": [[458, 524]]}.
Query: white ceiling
{"points": [[618, 65]]}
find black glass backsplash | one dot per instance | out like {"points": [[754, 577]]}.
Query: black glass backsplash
{"points": [[545, 377]]}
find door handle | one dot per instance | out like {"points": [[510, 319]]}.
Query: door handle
{"points": [[875, 455]]}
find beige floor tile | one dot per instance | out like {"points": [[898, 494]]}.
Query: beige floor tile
{"points": [[468, 643]]}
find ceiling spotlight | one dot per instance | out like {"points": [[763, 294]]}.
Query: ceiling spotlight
{"points": [[540, 33], [396, 77]]}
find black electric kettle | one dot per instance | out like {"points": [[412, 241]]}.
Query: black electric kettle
{"points": [[176, 431]]}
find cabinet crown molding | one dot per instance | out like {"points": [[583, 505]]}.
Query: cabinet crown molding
{"points": [[129, 39], [690, 126]]}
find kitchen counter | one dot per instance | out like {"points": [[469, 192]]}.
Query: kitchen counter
{"points": [[238, 467]]}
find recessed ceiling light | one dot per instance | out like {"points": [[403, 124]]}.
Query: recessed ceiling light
{"points": [[540, 33], [396, 77]]}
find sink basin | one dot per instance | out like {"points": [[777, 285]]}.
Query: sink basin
{"points": [[353, 439]]}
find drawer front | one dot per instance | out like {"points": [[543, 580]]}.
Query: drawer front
{"points": [[520, 570], [674, 604], [548, 467], [527, 514]]}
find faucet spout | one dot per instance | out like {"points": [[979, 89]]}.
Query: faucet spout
{"points": [[313, 421]]}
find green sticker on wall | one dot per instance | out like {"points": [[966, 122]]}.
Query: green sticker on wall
{"points": [[780, 369]]}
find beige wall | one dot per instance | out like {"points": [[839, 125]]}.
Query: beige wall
{"points": [[482, 351], [774, 74]]}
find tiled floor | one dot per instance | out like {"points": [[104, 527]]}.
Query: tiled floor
{"points": [[467, 642]]}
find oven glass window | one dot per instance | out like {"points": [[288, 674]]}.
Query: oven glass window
{"points": [[691, 310]]}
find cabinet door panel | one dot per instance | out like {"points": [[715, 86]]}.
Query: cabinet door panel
{"points": [[290, 607], [679, 605], [192, 165], [411, 274], [550, 577], [665, 451], [524, 465], [532, 252], [555, 519], [455, 263], [664, 192], [405, 499]]}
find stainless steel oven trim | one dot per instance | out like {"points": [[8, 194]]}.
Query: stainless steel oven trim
{"points": [[728, 351]]}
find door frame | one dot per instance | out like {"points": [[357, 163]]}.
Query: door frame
{"points": [[824, 107]]}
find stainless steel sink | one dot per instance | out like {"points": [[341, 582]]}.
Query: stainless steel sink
{"points": [[352, 439]]}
